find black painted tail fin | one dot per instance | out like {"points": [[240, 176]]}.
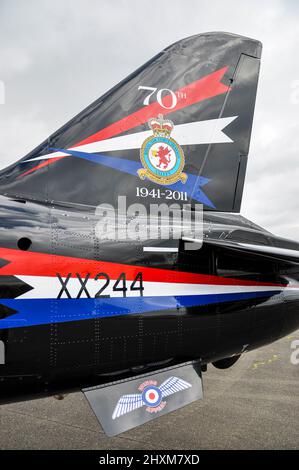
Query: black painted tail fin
{"points": [[176, 129]]}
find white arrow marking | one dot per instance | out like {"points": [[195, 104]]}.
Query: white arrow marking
{"points": [[46, 287], [192, 133]]}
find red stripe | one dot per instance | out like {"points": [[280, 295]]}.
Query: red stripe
{"points": [[206, 87], [43, 264], [202, 89], [41, 165]]}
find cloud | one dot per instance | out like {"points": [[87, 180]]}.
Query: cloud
{"points": [[56, 60]]}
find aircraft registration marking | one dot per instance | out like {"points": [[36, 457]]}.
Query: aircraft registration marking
{"points": [[120, 285]]}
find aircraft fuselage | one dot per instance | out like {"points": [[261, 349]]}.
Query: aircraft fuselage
{"points": [[73, 307]]}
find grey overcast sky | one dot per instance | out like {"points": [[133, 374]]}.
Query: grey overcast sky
{"points": [[57, 56]]}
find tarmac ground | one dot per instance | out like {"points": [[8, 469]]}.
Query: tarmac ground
{"points": [[252, 405]]}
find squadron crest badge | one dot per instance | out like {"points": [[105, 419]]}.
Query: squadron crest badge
{"points": [[162, 158]]}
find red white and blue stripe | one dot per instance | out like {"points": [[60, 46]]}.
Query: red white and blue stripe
{"points": [[164, 290]]}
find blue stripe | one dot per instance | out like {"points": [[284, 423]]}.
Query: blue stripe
{"points": [[131, 167], [45, 311]]}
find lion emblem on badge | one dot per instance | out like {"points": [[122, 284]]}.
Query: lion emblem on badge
{"points": [[162, 158]]}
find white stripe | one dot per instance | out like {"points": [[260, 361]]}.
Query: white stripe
{"points": [[160, 249], [192, 133], [272, 249], [49, 287]]}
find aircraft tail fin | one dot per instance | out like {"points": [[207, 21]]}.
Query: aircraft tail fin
{"points": [[177, 128]]}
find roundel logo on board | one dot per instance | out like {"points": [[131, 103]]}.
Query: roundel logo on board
{"points": [[162, 158], [151, 396]]}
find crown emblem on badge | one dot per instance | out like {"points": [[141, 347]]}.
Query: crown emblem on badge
{"points": [[160, 126], [162, 158]]}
